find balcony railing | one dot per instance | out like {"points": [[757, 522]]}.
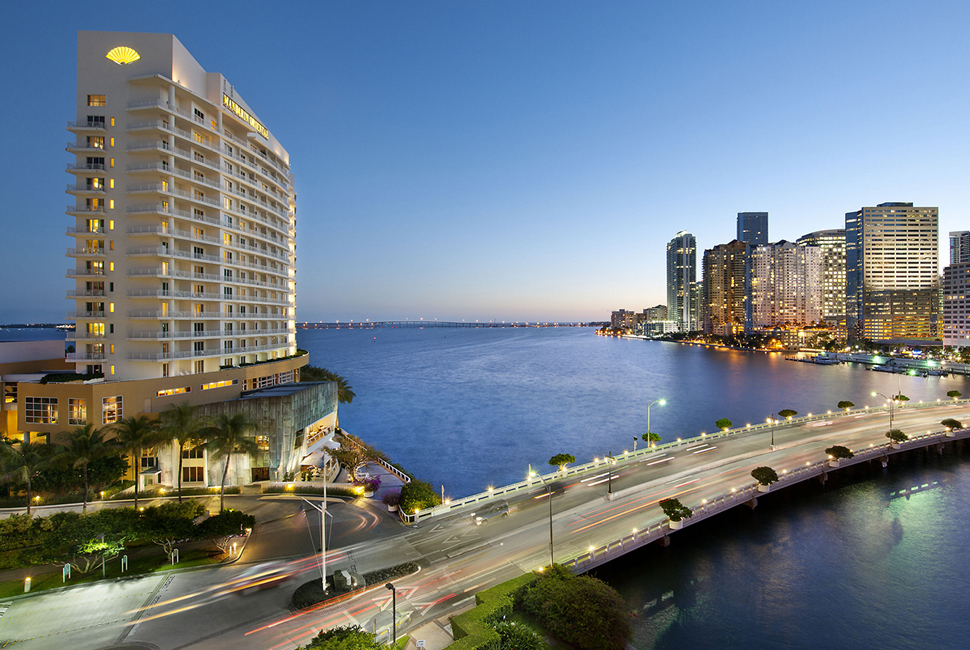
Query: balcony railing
{"points": [[71, 293], [84, 356], [87, 252], [85, 208], [84, 188], [86, 125], [85, 314], [84, 146], [84, 272], [73, 232], [85, 167]]}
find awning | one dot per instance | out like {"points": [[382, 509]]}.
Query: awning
{"points": [[315, 459], [151, 471]]}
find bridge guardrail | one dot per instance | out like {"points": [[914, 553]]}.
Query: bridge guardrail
{"points": [[627, 456], [656, 530]]}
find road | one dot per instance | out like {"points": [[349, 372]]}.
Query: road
{"points": [[457, 557]]}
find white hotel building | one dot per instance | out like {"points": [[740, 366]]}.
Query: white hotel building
{"points": [[183, 220]]}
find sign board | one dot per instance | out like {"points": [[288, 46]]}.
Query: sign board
{"points": [[421, 643]]}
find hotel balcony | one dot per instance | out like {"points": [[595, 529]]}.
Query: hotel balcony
{"points": [[82, 126], [85, 314], [84, 356], [84, 273], [83, 168], [168, 336], [85, 252], [73, 294], [84, 147], [215, 352], [84, 336], [84, 210], [84, 232], [84, 189]]}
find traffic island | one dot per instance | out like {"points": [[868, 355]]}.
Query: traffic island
{"points": [[345, 583]]}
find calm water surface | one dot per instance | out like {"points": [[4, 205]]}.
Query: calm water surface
{"points": [[473, 408]]}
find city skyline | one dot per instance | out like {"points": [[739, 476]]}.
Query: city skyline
{"points": [[530, 163]]}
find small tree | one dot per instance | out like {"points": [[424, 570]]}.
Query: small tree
{"points": [[764, 475], [221, 529], [131, 436], [846, 405], [22, 462], [228, 435], [897, 436], [180, 423], [952, 424], [561, 460], [955, 394], [651, 437], [169, 524], [675, 510], [838, 452], [85, 445], [344, 638], [787, 413], [418, 495], [723, 424]]}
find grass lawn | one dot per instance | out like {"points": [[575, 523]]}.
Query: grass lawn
{"points": [[136, 566]]}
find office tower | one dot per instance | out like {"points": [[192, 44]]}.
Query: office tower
{"points": [[681, 277], [184, 216], [955, 308], [832, 245], [725, 303], [753, 228], [786, 285], [959, 246], [892, 267]]}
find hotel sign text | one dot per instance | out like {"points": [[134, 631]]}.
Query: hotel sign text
{"points": [[244, 115]]}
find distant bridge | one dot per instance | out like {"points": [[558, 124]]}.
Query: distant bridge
{"points": [[420, 324]]}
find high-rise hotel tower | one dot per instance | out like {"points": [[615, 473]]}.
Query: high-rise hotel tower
{"points": [[184, 216], [682, 293]]}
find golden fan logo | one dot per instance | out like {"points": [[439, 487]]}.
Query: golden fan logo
{"points": [[123, 55]]}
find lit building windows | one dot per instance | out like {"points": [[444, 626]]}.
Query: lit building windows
{"points": [[77, 411], [40, 410], [96, 100], [111, 409]]}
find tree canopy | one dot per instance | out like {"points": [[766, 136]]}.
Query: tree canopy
{"points": [[561, 460], [764, 475], [838, 452], [724, 424], [846, 404]]}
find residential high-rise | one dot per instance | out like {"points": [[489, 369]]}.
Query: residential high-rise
{"points": [[955, 309], [832, 245], [892, 271], [959, 246], [681, 279], [753, 228], [725, 300], [184, 216], [785, 285]]}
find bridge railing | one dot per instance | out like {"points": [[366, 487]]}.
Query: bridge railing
{"points": [[628, 457], [659, 527]]}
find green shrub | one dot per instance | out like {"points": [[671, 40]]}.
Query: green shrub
{"points": [[838, 452], [764, 475], [308, 594], [418, 495], [472, 628], [675, 510], [344, 638], [518, 637], [581, 610], [897, 436], [952, 423], [392, 573]]}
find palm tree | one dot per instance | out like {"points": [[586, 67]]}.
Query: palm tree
{"points": [[345, 394], [228, 435], [132, 435], [180, 423], [84, 445], [22, 462]]}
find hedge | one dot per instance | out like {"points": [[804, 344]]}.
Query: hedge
{"points": [[471, 628]]}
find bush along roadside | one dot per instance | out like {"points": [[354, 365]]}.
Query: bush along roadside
{"points": [[311, 593]]}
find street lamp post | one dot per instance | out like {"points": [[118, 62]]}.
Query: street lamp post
{"points": [[609, 491], [552, 557], [892, 402], [771, 421], [390, 585], [660, 401]]}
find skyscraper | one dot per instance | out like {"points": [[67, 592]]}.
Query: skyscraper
{"points": [[892, 271], [681, 279], [785, 285], [725, 308], [959, 246], [955, 310], [184, 216], [832, 245], [753, 228]]}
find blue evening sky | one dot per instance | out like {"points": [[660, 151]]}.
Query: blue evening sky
{"points": [[522, 160]]}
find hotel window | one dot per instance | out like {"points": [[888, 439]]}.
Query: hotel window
{"points": [[111, 409], [77, 410], [96, 121], [96, 100], [262, 442], [168, 392], [193, 474], [95, 142], [198, 452], [199, 114], [200, 366], [40, 410], [149, 458], [112, 121], [94, 163], [198, 346], [10, 393]]}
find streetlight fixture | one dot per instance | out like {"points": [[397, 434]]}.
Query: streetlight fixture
{"points": [[771, 421], [892, 402], [610, 460], [552, 557], [660, 401], [390, 585]]}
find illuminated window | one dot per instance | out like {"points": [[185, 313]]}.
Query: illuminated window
{"points": [[111, 204], [77, 410], [111, 409], [111, 266], [111, 223], [112, 348], [112, 370], [262, 442], [221, 384], [149, 458], [112, 121], [112, 162], [40, 410], [112, 142], [96, 100], [196, 452], [111, 183], [174, 391]]}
